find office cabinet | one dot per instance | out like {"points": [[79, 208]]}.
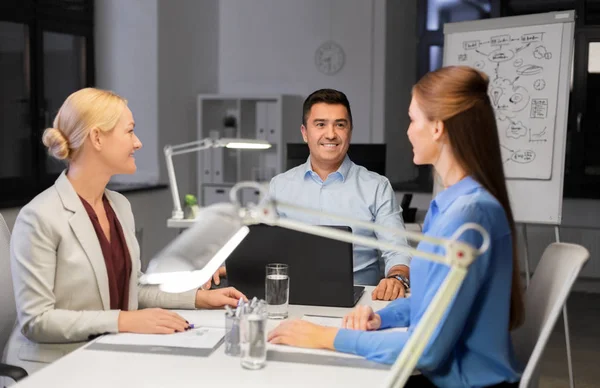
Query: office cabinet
{"points": [[250, 195], [216, 193], [274, 118]]}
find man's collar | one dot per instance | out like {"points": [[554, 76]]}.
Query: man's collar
{"points": [[342, 171]]}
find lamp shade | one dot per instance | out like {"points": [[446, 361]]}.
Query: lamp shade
{"points": [[192, 258], [246, 144]]}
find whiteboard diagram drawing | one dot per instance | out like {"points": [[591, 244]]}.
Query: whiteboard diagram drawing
{"points": [[522, 64]]}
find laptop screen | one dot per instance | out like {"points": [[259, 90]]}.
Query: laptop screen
{"points": [[320, 268]]}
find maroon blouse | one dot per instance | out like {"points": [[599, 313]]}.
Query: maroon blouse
{"points": [[116, 255]]}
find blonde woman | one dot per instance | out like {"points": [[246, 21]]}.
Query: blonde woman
{"points": [[74, 255]]}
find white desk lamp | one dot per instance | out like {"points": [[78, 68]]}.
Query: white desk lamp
{"points": [[193, 257], [198, 145]]}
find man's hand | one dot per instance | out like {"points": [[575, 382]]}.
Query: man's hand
{"points": [[221, 272], [211, 299], [391, 288], [303, 334], [388, 289], [362, 318]]}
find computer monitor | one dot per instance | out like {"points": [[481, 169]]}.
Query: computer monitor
{"points": [[370, 156]]}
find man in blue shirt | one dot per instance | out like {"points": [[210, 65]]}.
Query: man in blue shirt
{"points": [[330, 182]]}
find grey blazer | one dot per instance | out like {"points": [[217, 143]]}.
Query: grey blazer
{"points": [[60, 279]]}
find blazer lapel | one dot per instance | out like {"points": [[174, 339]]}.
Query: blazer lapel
{"points": [[86, 235]]}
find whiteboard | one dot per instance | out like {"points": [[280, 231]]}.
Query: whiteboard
{"points": [[528, 61]]}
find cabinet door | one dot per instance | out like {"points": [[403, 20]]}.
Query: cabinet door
{"points": [[217, 165], [207, 165], [261, 120], [224, 165], [271, 122], [216, 194]]}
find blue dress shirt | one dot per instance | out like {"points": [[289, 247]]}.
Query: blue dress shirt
{"points": [[351, 191], [471, 347]]}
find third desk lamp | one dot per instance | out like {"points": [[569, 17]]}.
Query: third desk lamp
{"points": [[198, 145]]}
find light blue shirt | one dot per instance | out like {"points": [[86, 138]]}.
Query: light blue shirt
{"points": [[351, 191], [471, 347]]}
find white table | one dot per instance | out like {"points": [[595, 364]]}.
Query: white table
{"points": [[101, 368]]}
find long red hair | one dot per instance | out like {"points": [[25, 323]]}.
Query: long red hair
{"points": [[457, 96]]}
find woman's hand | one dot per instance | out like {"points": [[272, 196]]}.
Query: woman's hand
{"points": [[216, 278], [303, 334], [151, 321], [362, 318], [210, 299]]}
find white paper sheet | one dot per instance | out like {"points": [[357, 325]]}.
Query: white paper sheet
{"points": [[199, 338]]}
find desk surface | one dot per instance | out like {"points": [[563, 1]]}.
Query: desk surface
{"points": [[101, 368], [184, 224]]}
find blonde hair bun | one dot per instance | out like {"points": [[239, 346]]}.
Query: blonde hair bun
{"points": [[57, 143], [83, 110]]}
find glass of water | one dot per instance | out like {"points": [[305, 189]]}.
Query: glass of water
{"points": [[253, 331], [277, 290], [232, 335]]}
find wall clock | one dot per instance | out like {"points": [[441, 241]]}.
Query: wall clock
{"points": [[329, 58]]}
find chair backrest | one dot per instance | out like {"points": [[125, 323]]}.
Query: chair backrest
{"points": [[544, 299], [8, 309]]}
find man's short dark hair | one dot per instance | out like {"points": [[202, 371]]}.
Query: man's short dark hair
{"points": [[327, 96]]}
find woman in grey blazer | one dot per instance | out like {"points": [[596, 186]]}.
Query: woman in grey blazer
{"points": [[74, 256]]}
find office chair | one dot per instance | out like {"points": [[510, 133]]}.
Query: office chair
{"points": [[8, 309], [548, 291]]}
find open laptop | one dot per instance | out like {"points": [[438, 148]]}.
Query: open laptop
{"points": [[320, 268]]}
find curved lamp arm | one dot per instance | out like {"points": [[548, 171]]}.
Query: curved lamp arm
{"points": [[170, 151]]}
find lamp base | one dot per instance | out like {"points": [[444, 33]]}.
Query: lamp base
{"points": [[177, 215]]}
